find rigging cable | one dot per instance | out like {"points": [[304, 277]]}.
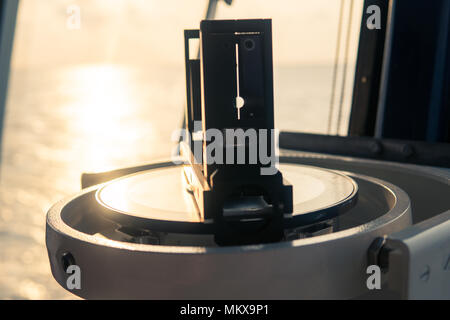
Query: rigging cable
{"points": [[336, 65], [344, 76]]}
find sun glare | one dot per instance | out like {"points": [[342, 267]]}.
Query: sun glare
{"points": [[102, 105]]}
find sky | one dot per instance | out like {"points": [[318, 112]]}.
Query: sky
{"points": [[150, 32]]}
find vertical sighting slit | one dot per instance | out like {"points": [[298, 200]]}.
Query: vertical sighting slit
{"points": [[239, 99]]}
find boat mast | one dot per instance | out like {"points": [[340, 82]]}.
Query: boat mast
{"points": [[8, 14]]}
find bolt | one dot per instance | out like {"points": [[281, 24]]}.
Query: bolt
{"points": [[425, 274], [67, 260], [249, 44], [378, 254]]}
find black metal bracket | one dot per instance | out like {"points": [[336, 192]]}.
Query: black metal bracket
{"points": [[235, 66]]}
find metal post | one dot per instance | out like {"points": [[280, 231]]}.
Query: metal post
{"points": [[368, 72], [8, 14]]}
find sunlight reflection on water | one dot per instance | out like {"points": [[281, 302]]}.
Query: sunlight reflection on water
{"points": [[102, 103]]}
